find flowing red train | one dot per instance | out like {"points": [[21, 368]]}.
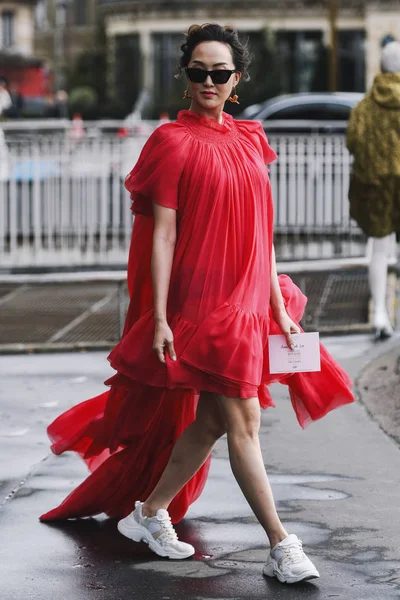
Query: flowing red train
{"points": [[126, 434]]}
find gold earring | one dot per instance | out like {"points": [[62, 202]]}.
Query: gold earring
{"points": [[186, 95], [234, 98]]}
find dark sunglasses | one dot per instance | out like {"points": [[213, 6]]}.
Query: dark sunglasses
{"points": [[218, 76]]}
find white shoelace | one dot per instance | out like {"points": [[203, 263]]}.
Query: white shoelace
{"points": [[294, 553], [169, 532]]}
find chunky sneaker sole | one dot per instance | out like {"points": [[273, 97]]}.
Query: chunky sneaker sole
{"points": [[271, 569], [136, 532], [288, 562]]}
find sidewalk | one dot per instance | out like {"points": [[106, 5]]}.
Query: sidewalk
{"points": [[336, 486]]}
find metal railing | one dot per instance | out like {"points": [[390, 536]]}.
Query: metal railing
{"points": [[63, 203], [310, 184]]}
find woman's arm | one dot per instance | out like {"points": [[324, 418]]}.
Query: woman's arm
{"points": [[164, 239], [282, 319], [277, 303]]}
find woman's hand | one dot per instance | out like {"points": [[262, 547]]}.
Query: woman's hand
{"points": [[286, 325], [163, 339]]}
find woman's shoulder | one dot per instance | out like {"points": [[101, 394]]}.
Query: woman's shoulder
{"points": [[171, 133], [168, 141], [168, 137], [254, 127], [254, 131]]}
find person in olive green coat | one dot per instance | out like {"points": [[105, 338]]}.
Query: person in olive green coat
{"points": [[373, 137]]}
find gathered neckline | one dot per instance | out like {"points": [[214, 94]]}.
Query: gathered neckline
{"points": [[207, 128]]}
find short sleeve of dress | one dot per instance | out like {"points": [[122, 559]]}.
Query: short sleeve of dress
{"points": [[157, 173], [254, 130]]}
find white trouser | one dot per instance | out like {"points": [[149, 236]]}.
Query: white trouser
{"points": [[378, 268]]}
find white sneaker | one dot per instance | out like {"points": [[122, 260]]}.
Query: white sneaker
{"points": [[158, 532], [288, 563]]}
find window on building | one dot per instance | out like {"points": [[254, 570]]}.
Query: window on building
{"points": [[128, 66], [80, 12], [302, 59], [41, 15], [61, 13], [7, 29], [167, 90], [351, 61], [264, 69]]}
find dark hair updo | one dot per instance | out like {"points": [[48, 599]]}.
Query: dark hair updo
{"points": [[212, 32]]}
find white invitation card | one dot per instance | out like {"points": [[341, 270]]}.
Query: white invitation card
{"points": [[304, 358]]}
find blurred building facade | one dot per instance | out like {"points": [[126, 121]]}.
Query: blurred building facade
{"points": [[63, 30], [24, 72], [17, 27], [290, 41]]}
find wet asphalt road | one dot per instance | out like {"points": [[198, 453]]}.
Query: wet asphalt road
{"points": [[336, 485]]}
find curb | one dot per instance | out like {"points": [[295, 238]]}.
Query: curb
{"points": [[53, 348], [385, 359]]}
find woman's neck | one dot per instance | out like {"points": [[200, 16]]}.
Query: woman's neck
{"points": [[213, 113]]}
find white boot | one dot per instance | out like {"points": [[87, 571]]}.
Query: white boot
{"points": [[377, 284]]}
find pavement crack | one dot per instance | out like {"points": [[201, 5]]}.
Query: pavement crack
{"points": [[15, 487]]}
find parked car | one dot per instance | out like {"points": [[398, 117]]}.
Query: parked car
{"points": [[304, 113]]}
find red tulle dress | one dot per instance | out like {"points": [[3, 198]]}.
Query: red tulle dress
{"points": [[218, 308]]}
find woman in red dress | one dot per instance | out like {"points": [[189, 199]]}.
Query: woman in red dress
{"points": [[192, 363]]}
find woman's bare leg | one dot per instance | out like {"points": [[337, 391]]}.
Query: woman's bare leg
{"points": [[190, 452], [243, 422]]}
